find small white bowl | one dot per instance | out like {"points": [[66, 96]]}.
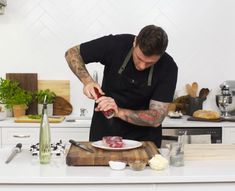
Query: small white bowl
{"points": [[117, 165]]}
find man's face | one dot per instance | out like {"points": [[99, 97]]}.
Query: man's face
{"points": [[141, 61]]}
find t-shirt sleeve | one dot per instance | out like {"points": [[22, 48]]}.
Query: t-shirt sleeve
{"points": [[98, 50], [165, 89]]}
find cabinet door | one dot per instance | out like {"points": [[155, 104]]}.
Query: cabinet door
{"points": [[64, 134], [29, 136], [26, 136], [228, 135]]}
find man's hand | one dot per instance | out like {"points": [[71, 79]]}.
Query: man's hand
{"points": [[105, 104], [89, 90]]}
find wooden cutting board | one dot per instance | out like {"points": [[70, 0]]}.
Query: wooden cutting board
{"points": [[211, 120], [60, 87], [209, 152], [61, 106], [26, 119], [29, 82], [101, 157]]}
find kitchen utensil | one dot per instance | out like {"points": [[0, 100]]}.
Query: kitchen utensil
{"points": [[204, 93], [80, 145], [224, 100], [15, 150], [61, 106], [101, 157], [227, 99], [109, 113], [177, 154], [194, 89], [189, 90], [29, 82]]}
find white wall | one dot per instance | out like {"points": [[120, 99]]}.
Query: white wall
{"points": [[34, 34]]}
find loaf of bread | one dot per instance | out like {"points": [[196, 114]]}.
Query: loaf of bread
{"points": [[206, 114]]}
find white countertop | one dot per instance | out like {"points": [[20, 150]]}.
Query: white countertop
{"points": [[9, 122], [168, 122], [25, 169], [183, 122]]}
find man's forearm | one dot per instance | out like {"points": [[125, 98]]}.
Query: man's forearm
{"points": [[77, 64], [149, 117]]}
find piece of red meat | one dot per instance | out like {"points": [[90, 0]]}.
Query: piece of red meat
{"points": [[113, 141]]}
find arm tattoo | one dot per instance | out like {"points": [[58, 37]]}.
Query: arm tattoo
{"points": [[77, 64], [151, 117]]}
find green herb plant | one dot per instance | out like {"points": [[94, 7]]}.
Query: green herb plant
{"points": [[11, 94], [40, 95]]}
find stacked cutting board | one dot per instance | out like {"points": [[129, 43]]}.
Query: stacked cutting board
{"points": [[209, 152], [30, 82]]}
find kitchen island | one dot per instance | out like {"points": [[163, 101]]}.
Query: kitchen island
{"points": [[24, 172]]}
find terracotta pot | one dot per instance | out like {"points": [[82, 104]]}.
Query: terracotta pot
{"points": [[19, 110]]}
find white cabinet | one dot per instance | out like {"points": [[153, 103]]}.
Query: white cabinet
{"points": [[228, 135], [28, 136]]}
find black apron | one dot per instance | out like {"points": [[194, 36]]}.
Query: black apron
{"points": [[128, 93]]}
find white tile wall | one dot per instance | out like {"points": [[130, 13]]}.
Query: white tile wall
{"points": [[34, 34]]}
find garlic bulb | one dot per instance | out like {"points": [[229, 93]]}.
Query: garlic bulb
{"points": [[158, 162]]}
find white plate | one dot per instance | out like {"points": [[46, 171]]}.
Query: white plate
{"points": [[128, 144]]}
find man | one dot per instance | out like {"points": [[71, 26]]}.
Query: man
{"points": [[138, 84]]}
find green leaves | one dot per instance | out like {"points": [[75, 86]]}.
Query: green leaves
{"points": [[11, 94], [41, 94]]}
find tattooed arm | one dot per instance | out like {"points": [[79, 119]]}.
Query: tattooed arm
{"points": [[78, 67], [151, 117]]}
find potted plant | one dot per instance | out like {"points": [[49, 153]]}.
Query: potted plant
{"points": [[14, 97], [40, 96], [20, 101]]}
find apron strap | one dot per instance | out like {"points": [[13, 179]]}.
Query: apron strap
{"points": [[150, 75], [123, 66]]}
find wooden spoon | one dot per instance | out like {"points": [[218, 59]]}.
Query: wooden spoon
{"points": [[189, 90], [194, 89]]}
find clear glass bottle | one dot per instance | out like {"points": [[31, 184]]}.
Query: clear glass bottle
{"points": [[45, 137]]}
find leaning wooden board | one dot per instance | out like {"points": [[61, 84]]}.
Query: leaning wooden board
{"points": [[26, 119], [29, 82], [209, 152], [101, 157], [60, 87]]}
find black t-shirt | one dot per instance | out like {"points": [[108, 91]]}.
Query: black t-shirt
{"points": [[130, 89]]}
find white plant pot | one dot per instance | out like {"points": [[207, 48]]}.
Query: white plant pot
{"points": [[49, 109], [7, 111], [3, 115]]}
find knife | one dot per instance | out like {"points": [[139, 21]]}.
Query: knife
{"points": [[82, 146], [14, 151]]}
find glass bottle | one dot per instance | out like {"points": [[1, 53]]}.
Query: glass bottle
{"points": [[45, 137]]}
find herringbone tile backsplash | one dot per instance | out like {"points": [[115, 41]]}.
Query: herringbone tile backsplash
{"points": [[34, 35]]}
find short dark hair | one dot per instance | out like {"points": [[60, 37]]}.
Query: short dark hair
{"points": [[152, 40]]}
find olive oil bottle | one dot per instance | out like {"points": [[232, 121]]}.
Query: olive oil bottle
{"points": [[45, 137]]}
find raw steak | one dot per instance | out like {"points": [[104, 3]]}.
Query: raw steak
{"points": [[113, 141]]}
